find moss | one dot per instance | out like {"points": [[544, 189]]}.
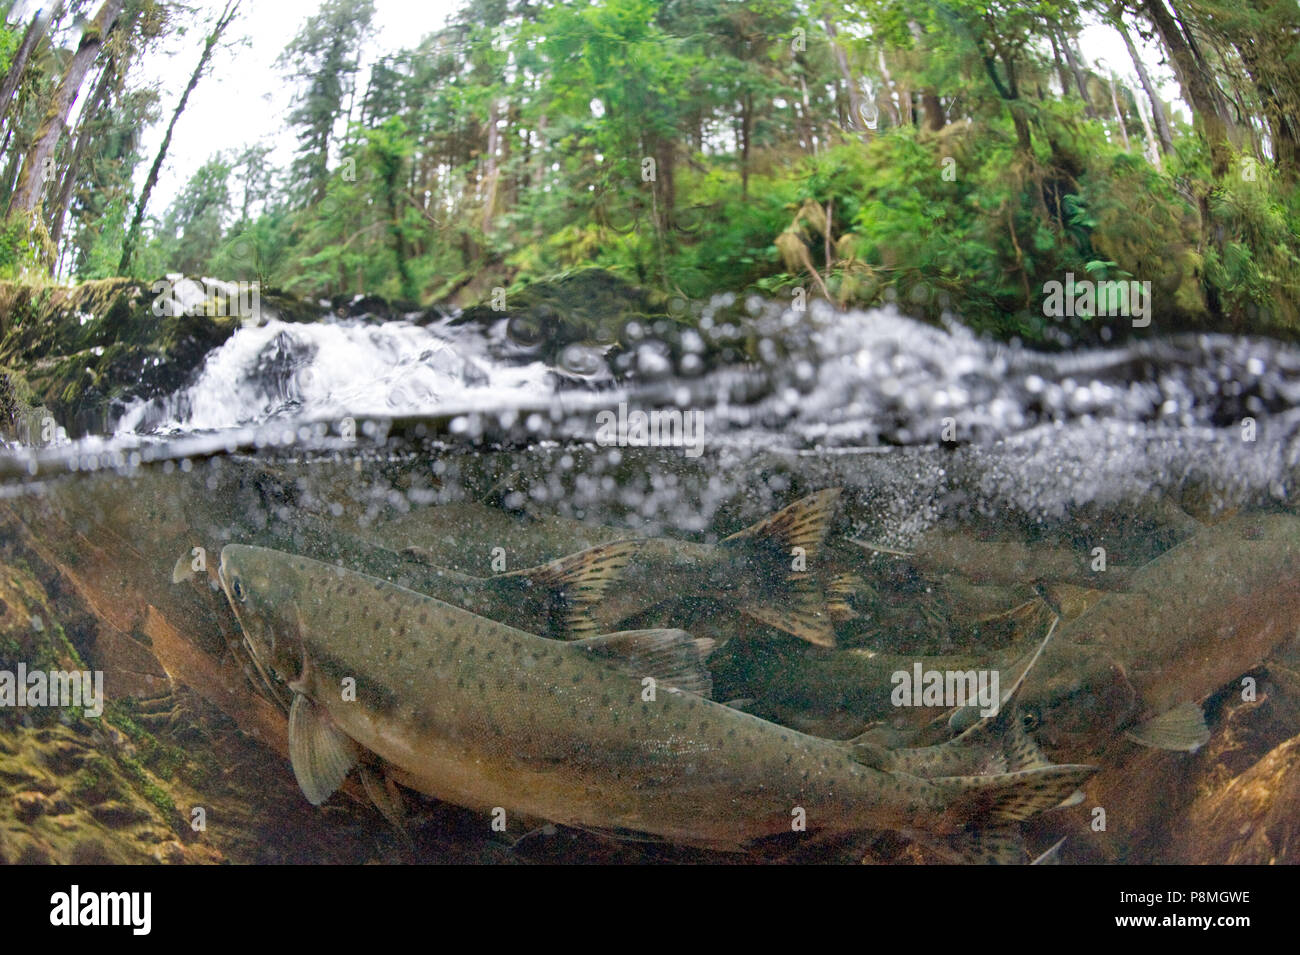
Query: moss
{"points": [[86, 348], [150, 790], [162, 759], [60, 639], [97, 780]]}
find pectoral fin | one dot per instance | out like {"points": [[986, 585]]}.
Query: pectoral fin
{"points": [[321, 754], [1051, 856], [1181, 730]]}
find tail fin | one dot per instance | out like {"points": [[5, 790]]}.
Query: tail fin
{"points": [[838, 592], [793, 600], [1011, 797], [572, 586]]}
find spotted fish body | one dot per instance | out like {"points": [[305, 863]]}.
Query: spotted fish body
{"points": [[1193, 620], [481, 714], [771, 571]]}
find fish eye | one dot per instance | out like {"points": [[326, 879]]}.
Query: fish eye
{"points": [[237, 588]]}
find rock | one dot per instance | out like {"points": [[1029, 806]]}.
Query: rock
{"points": [[1252, 819], [93, 851], [176, 853], [29, 805], [592, 306], [35, 853], [22, 600], [118, 814]]}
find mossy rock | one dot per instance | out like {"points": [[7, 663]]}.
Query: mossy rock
{"points": [[30, 633], [595, 307], [86, 351], [590, 305]]}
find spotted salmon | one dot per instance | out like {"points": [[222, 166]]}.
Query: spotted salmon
{"points": [[1195, 618], [614, 733]]}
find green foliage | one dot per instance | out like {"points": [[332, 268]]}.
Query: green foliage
{"points": [[25, 249], [698, 146]]}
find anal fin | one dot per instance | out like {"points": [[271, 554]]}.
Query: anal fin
{"points": [[998, 845], [673, 657], [387, 798]]}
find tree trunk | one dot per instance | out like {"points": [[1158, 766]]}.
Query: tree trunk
{"points": [[1061, 74], [746, 129], [94, 107], [1222, 104], [31, 181], [1151, 139], [1079, 79], [490, 175], [209, 46], [810, 134], [857, 105], [1119, 116], [1196, 86], [32, 36], [934, 117], [1157, 110], [1283, 124], [889, 89]]}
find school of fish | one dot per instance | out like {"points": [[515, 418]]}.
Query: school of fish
{"points": [[581, 689]]}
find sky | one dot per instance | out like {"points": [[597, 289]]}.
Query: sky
{"points": [[245, 98]]}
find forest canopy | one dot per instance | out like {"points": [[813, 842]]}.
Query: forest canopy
{"points": [[951, 157]]}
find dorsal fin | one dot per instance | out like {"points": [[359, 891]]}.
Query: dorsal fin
{"points": [[801, 524], [576, 583], [673, 657]]}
